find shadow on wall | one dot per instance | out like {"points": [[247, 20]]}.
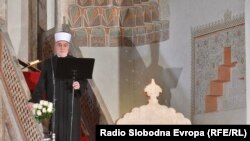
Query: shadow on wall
{"points": [[135, 75]]}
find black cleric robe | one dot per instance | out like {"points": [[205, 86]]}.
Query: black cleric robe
{"points": [[63, 100]]}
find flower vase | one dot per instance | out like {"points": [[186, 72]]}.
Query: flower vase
{"points": [[45, 124], [40, 126]]}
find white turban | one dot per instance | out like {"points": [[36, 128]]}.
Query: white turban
{"points": [[59, 36]]}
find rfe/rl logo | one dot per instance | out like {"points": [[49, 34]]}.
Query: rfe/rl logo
{"points": [[226, 132]]}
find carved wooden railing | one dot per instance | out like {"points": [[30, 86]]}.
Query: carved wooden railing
{"points": [[19, 123]]}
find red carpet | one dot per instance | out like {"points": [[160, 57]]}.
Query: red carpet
{"points": [[31, 79], [85, 138]]}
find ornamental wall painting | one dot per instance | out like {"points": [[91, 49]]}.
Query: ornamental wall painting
{"points": [[219, 66], [118, 23]]}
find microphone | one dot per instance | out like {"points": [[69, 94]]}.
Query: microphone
{"points": [[54, 99]]}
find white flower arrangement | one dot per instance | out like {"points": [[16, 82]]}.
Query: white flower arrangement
{"points": [[42, 110]]}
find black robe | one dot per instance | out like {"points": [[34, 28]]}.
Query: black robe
{"points": [[63, 96]]}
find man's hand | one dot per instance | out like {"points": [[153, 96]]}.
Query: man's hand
{"points": [[76, 85]]}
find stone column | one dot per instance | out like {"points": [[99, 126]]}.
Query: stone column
{"points": [[51, 16], [33, 29], [3, 9], [247, 34], [61, 14], [42, 14]]}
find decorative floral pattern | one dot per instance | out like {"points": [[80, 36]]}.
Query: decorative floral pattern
{"points": [[208, 53]]}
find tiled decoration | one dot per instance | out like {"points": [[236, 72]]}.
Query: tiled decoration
{"points": [[219, 86], [219, 66], [116, 23]]}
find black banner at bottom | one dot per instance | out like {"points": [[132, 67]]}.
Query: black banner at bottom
{"points": [[160, 132]]}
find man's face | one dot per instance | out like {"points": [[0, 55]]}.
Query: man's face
{"points": [[61, 48]]}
